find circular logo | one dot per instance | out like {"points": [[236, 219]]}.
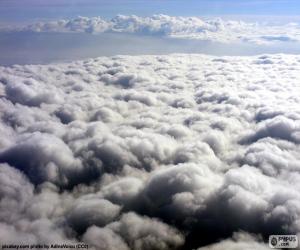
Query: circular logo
{"points": [[273, 241]]}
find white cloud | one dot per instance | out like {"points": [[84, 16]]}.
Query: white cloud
{"points": [[145, 233], [217, 30], [90, 211], [149, 152], [239, 241], [104, 239]]}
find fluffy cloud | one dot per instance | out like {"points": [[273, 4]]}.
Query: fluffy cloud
{"points": [[134, 232], [92, 211], [15, 193], [151, 152], [43, 157], [177, 27], [104, 238], [145, 233], [239, 241]]}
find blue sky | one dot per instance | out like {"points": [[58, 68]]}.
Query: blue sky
{"points": [[32, 10]]}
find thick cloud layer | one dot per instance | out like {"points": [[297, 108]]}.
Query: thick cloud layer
{"points": [[217, 30], [151, 152]]}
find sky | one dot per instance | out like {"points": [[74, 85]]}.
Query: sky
{"points": [[39, 47], [32, 10]]}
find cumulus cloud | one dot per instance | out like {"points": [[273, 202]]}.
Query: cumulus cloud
{"points": [[239, 241], [279, 127], [28, 92], [43, 157], [104, 238], [134, 232], [15, 192], [92, 211], [151, 152], [144, 233], [217, 30]]}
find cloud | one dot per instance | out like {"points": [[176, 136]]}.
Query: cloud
{"points": [[279, 127], [216, 30], [23, 214], [92, 211], [123, 191], [144, 233], [15, 193], [177, 183], [134, 232], [43, 157], [104, 238], [239, 241], [151, 152], [28, 92]]}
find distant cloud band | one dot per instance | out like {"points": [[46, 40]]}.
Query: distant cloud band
{"points": [[217, 30]]}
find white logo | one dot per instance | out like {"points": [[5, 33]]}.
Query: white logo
{"points": [[283, 241]]}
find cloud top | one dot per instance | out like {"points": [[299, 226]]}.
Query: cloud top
{"points": [[151, 152]]}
